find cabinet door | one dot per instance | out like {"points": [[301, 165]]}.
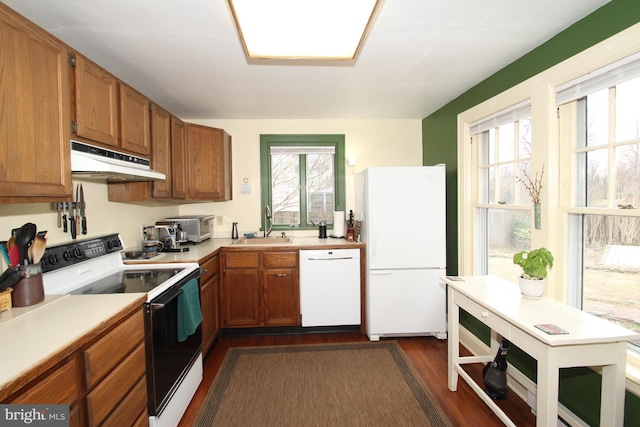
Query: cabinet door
{"points": [[178, 158], [96, 103], [35, 117], [209, 170], [209, 304], [280, 297], [135, 131], [242, 297], [161, 150]]}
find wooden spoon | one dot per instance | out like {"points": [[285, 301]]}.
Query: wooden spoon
{"points": [[36, 250]]}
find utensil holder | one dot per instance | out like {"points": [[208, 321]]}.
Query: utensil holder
{"points": [[29, 290]]}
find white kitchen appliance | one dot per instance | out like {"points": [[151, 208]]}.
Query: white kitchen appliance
{"points": [[330, 287], [404, 228]]}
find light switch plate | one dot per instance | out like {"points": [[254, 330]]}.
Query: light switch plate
{"points": [[245, 188]]}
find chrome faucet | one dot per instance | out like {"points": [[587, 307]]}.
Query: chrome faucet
{"points": [[267, 217]]}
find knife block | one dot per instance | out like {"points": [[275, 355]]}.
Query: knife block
{"points": [[29, 290]]}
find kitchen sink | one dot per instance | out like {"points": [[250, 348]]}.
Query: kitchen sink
{"points": [[263, 241]]}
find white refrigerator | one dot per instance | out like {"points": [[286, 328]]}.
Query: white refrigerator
{"points": [[404, 228]]}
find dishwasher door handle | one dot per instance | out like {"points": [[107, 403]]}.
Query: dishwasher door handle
{"points": [[329, 259]]}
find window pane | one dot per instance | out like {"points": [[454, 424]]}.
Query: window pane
{"points": [[628, 175], [598, 118], [320, 204], [525, 138], [506, 138], [285, 188], [491, 154], [484, 185], [597, 174], [507, 180], [492, 185], [524, 196], [509, 232], [611, 287], [628, 110]]}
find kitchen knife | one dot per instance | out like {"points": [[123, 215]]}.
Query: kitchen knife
{"points": [[76, 209], [64, 217], [82, 211], [72, 220]]}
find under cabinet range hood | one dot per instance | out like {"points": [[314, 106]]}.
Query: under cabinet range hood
{"points": [[89, 161]]}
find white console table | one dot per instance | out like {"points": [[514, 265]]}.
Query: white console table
{"points": [[591, 342]]}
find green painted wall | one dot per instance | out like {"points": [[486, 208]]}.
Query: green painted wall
{"points": [[439, 142]]}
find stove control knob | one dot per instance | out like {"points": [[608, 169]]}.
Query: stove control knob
{"points": [[67, 255], [53, 259], [77, 253]]}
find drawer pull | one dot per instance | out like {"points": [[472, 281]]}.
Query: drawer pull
{"points": [[484, 314], [280, 275]]}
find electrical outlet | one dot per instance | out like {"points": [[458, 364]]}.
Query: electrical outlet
{"points": [[220, 220]]}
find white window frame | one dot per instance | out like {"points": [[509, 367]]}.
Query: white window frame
{"points": [[555, 197]]}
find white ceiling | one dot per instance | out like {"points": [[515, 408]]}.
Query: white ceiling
{"points": [[420, 54]]}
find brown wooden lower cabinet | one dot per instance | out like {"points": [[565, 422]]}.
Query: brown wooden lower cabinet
{"points": [[260, 288], [103, 380], [210, 302]]}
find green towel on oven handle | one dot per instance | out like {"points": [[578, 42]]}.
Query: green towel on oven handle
{"points": [[189, 313]]}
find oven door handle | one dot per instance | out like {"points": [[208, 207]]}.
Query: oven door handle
{"points": [[170, 295], [196, 274], [164, 299]]}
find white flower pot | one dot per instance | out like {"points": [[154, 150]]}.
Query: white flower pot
{"points": [[532, 288]]}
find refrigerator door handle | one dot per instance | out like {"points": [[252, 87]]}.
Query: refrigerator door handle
{"points": [[380, 272]]}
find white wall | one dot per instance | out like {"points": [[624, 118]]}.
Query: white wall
{"points": [[374, 142]]}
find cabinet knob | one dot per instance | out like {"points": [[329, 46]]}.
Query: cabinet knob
{"points": [[484, 314]]}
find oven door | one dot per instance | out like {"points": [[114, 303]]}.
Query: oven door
{"points": [[169, 353]]}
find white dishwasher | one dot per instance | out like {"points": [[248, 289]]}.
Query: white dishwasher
{"points": [[330, 287]]}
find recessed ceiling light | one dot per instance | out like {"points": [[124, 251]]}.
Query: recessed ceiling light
{"points": [[302, 29]]}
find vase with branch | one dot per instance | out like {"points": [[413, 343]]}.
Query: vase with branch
{"points": [[533, 187]]}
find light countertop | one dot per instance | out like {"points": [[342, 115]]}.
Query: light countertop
{"points": [[31, 339], [201, 251]]}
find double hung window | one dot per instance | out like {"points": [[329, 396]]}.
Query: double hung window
{"points": [[600, 128], [302, 179], [502, 152]]}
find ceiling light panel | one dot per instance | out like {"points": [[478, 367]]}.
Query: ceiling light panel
{"points": [[303, 29]]}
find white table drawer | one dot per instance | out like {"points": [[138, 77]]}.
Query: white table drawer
{"points": [[481, 313]]}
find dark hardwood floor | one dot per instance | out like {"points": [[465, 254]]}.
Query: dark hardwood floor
{"points": [[428, 356]]}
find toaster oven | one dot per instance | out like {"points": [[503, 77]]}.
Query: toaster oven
{"points": [[196, 227]]}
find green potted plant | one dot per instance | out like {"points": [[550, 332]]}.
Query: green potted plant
{"points": [[535, 265]]}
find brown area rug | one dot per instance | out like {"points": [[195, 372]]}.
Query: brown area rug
{"points": [[350, 384]]}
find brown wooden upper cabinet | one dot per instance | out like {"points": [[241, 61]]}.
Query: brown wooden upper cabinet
{"points": [[135, 116], [96, 103], [209, 163], [161, 149], [108, 112], [178, 158], [35, 159]]}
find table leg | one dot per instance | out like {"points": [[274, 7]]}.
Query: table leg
{"points": [[453, 340], [613, 389], [547, 389]]}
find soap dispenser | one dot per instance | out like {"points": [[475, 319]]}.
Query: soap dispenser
{"points": [[234, 230]]}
